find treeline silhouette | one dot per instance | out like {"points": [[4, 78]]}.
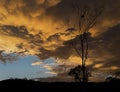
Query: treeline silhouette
{"points": [[35, 86]]}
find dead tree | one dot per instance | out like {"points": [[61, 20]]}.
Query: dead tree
{"points": [[85, 18]]}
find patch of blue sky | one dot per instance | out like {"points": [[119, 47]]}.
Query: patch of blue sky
{"points": [[22, 68]]}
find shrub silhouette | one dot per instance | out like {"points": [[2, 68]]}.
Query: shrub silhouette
{"points": [[77, 73], [117, 74]]}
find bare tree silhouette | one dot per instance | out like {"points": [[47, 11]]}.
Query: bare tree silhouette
{"points": [[86, 18]]}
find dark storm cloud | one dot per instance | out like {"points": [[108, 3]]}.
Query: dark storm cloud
{"points": [[53, 37], [59, 11], [5, 57], [63, 52], [104, 50], [18, 31], [110, 15], [110, 43], [40, 26], [65, 7]]}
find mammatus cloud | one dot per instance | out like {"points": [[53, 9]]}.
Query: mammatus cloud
{"points": [[38, 28], [4, 57]]}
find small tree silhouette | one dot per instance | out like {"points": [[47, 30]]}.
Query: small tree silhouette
{"points": [[117, 74], [108, 79], [76, 72]]}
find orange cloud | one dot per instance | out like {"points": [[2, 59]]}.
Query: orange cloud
{"points": [[36, 63], [98, 65], [54, 73], [39, 28]]}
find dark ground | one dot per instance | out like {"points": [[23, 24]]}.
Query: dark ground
{"points": [[18, 85]]}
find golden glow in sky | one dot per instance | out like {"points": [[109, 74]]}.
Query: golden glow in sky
{"points": [[38, 28]]}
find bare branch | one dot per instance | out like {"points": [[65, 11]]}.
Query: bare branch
{"points": [[86, 19]]}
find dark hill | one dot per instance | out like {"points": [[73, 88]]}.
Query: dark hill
{"points": [[20, 85]]}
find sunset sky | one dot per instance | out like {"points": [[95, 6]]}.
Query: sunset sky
{"points": [[34, 40]]}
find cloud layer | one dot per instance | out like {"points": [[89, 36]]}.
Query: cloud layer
{"points": [[38, 28]]}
